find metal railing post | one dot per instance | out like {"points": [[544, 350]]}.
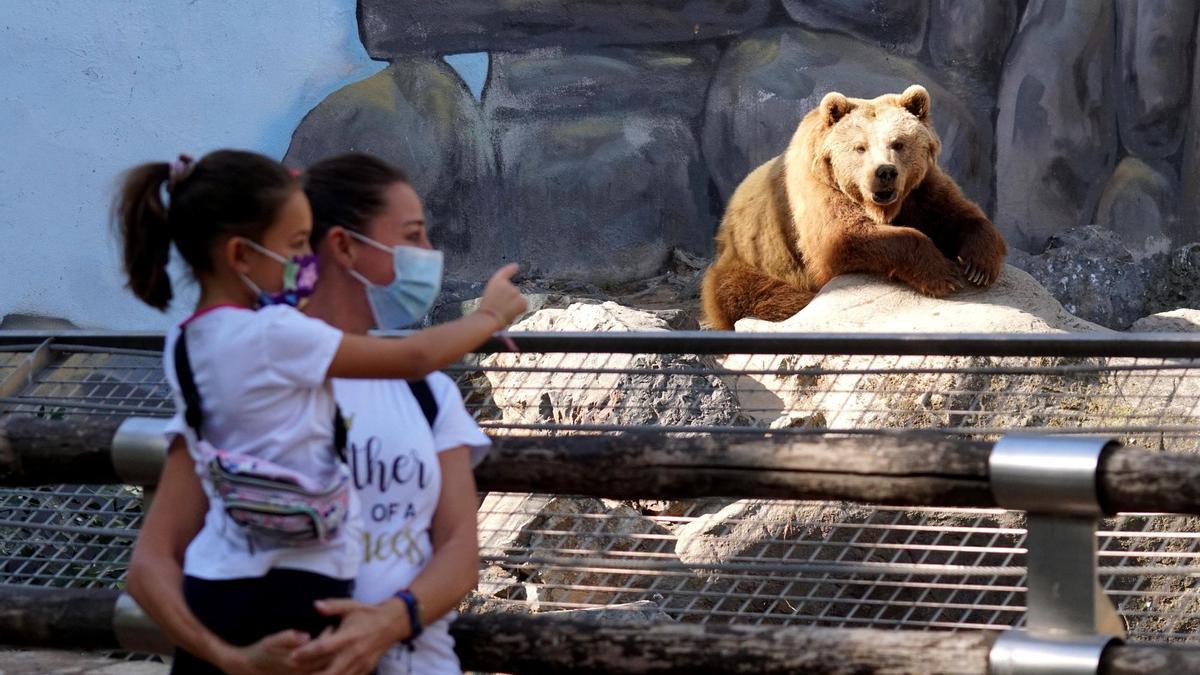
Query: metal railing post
{"points": [[1069, 620]]}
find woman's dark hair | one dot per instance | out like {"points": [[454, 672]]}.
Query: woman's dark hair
{"points": [[347, 191], [227, 192]]}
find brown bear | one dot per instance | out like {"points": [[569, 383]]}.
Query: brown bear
{"points": [[857, 190]]}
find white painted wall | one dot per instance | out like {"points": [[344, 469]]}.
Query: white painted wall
{"points": [[89, 88]]}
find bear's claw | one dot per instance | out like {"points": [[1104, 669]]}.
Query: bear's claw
{"points": [[974, 274], [940, 285]]}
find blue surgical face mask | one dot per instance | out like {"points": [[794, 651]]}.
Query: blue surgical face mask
{"points": [[411, 294]]}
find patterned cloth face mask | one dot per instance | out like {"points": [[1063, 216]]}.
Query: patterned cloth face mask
{"points": [[299, 278], [411, 294]]}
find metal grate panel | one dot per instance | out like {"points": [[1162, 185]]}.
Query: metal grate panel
{"points": [[95, 383], [9, 362], [68, 536], [813, 563], [1152, 402]]}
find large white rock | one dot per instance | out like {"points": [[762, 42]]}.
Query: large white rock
{"points": [[1176, 321], [858, 303], [903, 392]]}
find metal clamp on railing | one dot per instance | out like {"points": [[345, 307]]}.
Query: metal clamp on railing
{"points": [[1068, 621], [139, 449]]}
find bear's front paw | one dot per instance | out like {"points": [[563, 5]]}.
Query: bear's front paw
{"points": [[981, 260], [938, 281]]}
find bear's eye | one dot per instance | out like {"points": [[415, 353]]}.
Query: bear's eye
{"points": [[897, 146], [860, 149]]}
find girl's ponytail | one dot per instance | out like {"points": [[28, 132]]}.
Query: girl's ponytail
{"points": [[225, 193], [142, 218]]}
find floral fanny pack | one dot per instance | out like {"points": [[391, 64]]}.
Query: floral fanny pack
{"points": [[271, 502]]}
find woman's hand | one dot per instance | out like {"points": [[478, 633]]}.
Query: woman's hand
{"points": [[269, 656], [365, 634], [501, 298]]}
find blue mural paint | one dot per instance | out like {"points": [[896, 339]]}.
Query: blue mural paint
{"points": [[472, 68], [88, 94]]}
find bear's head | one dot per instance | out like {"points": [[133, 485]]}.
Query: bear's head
{"points": [[875, 150]]}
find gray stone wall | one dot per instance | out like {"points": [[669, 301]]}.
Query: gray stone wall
{"points": [[611, 131]]}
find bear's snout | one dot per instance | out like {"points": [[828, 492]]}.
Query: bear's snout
{"points": [[883, 184]]}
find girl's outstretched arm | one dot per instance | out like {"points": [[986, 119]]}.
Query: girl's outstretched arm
{"points": [[414, 357]]}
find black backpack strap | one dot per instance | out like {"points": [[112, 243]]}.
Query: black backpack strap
{"points": [[193, 414], [340, 432], [429, 406]]}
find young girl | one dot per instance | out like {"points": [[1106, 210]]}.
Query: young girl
{"points": [[260, 373]]}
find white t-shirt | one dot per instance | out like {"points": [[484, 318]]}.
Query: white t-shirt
{"points": [[394, 461], [262, 382]]}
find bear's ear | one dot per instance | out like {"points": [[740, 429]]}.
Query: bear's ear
{"points": [[915, 100], [835, 106]]}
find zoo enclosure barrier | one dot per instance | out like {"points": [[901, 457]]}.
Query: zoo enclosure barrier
{"points": [[840, 401]]}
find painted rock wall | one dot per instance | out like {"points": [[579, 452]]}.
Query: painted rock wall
{"points": [[611, 131]]}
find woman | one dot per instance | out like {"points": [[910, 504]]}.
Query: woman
{"points": [[414, 478]]}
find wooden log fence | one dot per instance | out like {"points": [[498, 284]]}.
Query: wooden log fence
{"points": [[546, 643], [896, 470]]}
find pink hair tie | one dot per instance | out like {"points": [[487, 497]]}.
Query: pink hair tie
{"points": [[295, 172], [179, 170]]}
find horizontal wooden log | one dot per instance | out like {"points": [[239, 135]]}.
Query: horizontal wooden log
{"points": [[550, 643], [1135, 480], [894, 469], [38, 451], [62, 662], [1137, 659], [543, 644], [66, 618], [540, 644], [903, 470]]}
